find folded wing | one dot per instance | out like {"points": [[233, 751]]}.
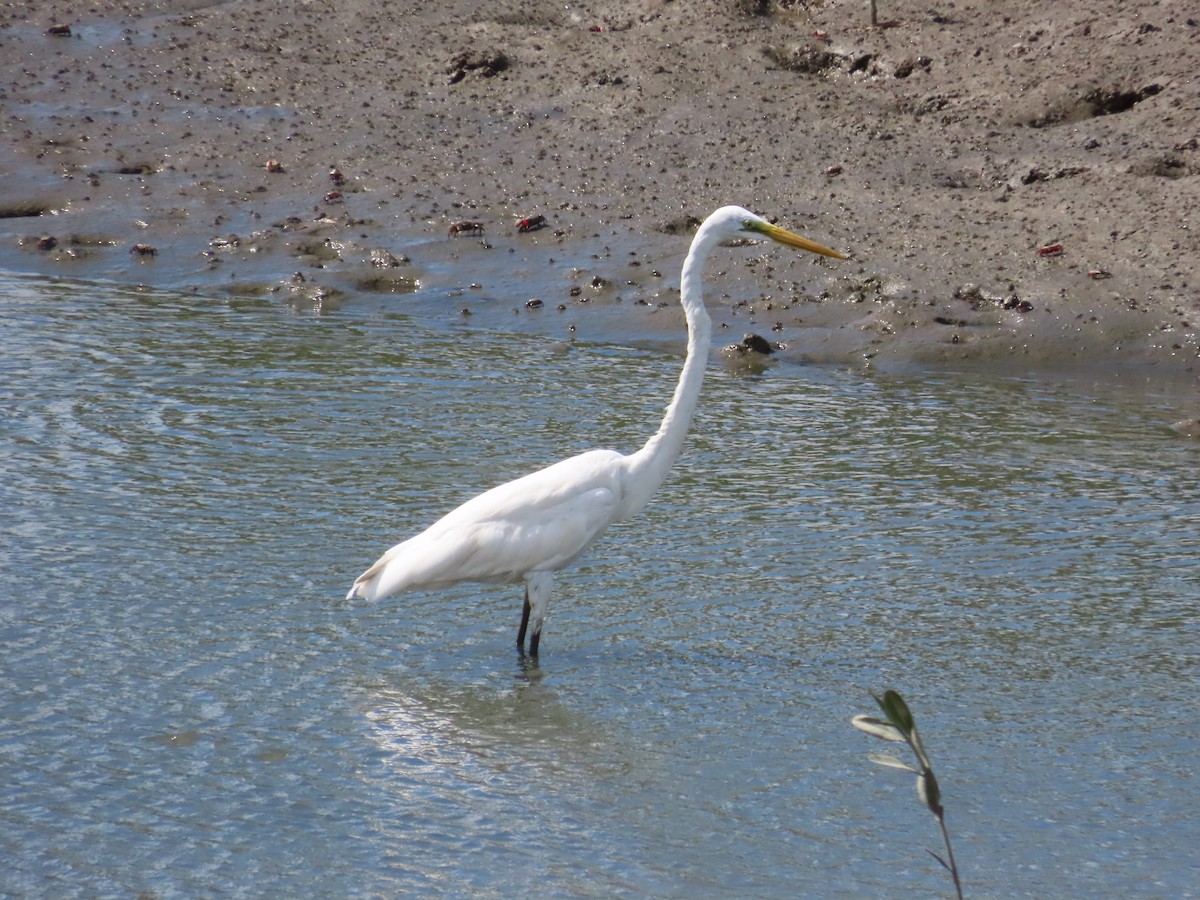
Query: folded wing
{"points": [[540, 522]]}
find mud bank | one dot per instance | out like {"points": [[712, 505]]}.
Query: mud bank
{"points": [[1016, 181]]}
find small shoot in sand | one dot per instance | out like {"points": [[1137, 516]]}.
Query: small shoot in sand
{"points": [[900, 727]]}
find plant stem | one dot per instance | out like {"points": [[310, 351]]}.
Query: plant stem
{"points": [[950, 857]]}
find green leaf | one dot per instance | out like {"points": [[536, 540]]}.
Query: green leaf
{"points": [[929, 792], [883, 759], [877, 728], [896, 710], [914, 741]]}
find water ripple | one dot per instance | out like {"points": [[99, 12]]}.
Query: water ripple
{"points": [[188, 708]]}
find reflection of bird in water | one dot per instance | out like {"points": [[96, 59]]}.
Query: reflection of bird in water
{"points": [[528, 529], [1188, 427]]}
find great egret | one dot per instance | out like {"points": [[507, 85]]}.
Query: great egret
{"points": [[528, 529]]}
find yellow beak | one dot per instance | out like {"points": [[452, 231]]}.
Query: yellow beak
{"points": [[775, 233]]}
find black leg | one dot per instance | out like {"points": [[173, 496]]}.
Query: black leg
{"points": [[533, 642], [525, 625]]}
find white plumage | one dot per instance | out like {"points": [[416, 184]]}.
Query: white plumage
{"points": [[528, 529]]}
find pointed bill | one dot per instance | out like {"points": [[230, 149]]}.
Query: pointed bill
{"points": [[775, 233]]}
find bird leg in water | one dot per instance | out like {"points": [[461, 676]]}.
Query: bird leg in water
{"points": [[524, 623], [534, 638], [538, 588]]}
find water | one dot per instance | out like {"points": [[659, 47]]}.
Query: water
{"points": [[187, 708]]}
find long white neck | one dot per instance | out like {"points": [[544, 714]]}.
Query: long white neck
{"points": [[649, 466]]}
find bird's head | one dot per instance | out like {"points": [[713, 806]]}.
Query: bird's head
{"points": [[733, 222]]}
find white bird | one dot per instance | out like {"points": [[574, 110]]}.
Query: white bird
{"points": [[528, 529]]}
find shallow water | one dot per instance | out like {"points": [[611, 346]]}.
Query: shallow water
{"points": [[188, 708]]}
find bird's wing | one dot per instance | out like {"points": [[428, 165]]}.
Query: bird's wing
{"points": [[542, 521]]}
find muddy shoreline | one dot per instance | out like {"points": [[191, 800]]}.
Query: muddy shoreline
{"points": [[1015, 181]]}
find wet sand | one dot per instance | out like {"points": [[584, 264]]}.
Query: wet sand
{"points": [[1016, 181]]}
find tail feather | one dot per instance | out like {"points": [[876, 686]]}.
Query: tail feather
{"points": [[361, 589], [366, 586]]}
